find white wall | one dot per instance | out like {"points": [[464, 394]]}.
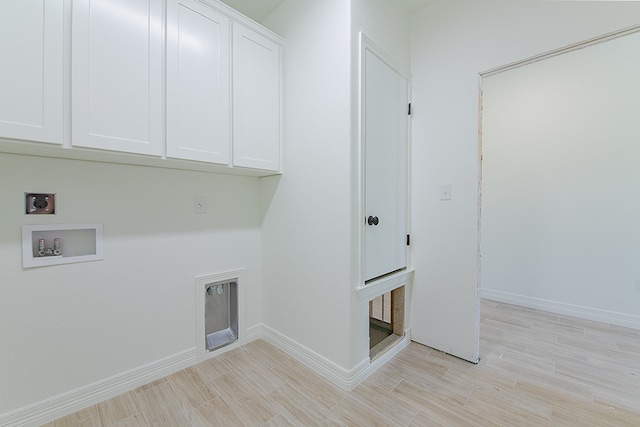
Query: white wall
{"points": [[68, 326], [307, 231], [452, 42], [561, 199]]}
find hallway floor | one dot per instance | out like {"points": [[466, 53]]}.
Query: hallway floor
{"points": [[536, 369]]}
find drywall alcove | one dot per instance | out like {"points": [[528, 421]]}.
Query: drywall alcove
{"points": [[52, 244], [220, 313]]}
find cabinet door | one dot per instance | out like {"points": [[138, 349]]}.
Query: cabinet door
{"points": [[198, 84], [256, 100], [117, 75], [31, 91], [385, 142]]}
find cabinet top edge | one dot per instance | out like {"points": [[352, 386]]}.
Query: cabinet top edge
{"points": [[242, 19]]}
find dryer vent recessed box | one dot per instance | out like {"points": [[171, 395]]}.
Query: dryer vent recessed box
{"points": [[38, 203]]}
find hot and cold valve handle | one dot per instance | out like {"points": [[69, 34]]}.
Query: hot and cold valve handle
{"points": [[373, 220]]}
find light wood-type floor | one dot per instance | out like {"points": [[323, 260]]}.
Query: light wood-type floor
{"points": [[536, 369]]}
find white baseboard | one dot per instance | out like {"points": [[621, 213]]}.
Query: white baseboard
{"points": [[347, 379], [370, 368], [75, 400], [254, 333], [67, 403], [589, 313], [341, 377]]}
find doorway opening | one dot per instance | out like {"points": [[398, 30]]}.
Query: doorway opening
{"points": [[386, 321]]}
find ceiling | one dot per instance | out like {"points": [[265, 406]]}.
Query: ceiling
{"points": [[258, 10]]}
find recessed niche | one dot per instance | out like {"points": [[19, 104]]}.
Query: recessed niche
{"points": [[220, 324], [221, 314], [52, 244], [386, 321]]}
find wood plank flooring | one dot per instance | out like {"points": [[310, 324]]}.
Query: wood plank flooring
{"points": [[536, 369]]}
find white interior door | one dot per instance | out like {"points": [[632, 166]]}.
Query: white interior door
{"points": [[385, 141]]}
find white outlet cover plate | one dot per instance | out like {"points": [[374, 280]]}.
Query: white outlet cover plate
{"points": [[200, 204], [445, 192]]}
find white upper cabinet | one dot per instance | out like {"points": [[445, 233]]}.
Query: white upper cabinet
{"points": [[116, 101], [256, 100], [198, 83], [172, 80], [31, 75]]}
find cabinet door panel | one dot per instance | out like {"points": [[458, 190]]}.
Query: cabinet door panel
{"points": [[198, 84], [31, 91], [256, 100], [385, 141], [117, 75]]}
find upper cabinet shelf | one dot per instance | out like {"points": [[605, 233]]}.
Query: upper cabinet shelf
{"points": [[213, 103]]}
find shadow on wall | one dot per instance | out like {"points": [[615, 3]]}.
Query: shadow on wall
{"points": [[131, 199], [268, 187]]}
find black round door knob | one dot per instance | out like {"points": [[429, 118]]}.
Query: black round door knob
{"points": [[373, 220]]}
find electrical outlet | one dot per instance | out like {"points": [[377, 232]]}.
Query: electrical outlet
{"points": [[38, 203], [200, 204]]}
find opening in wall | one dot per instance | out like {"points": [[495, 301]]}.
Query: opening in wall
{"points": [[386, 321], [220, 312]]}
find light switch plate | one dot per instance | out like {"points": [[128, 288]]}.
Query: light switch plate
{"points": [[445, 192], [200, 204], [40, 203]]}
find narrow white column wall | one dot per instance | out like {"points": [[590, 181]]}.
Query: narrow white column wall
{"points": [[307, 236]]}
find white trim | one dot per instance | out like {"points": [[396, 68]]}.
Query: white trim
{"points": [[589, 313], [384, 357], [346, 379], [254, 333], [479, 225], [562, 50], [242, 19], [366, 44], [75, 400], [386, 284]]}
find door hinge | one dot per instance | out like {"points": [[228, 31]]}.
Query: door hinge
{"points": [[408, 239], [409, 112]]}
